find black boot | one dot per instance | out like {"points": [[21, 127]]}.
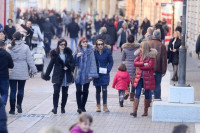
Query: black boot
{"points": [[55, 98], [12, 106], [121, 103], [79, 101], [54, 110], [19, 103], [84, 100], [64, 101]]}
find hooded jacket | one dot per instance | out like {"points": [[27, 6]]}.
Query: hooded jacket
{"points": [[22, 58], [121, 80], [6, 63], [146, 71], [58, 65], [128, 57]]}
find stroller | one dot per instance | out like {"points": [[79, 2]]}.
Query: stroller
{"points": [[38, 54]]}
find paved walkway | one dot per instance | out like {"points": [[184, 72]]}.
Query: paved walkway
{"points": [[37, 107]]}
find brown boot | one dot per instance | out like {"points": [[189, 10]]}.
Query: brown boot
{"points": [[127, 94], [146, 106], [98, 108], [135, 107], [132, 96], [105, 108]]}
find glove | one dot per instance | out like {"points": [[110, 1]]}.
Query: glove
{"points": [[43, 76]]}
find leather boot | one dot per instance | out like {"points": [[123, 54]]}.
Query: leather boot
{"points": [[19, 103], [105, 108], [146, 106], [64, 101], [54, 110], [79, 101], [132, 95], [98, 108], [135, 107], [127, 94], [12, 106], [84, 100]]}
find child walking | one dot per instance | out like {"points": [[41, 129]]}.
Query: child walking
{"points": [[121, 82]]}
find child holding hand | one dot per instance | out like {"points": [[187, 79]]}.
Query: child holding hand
{"points": [[121, 82]]}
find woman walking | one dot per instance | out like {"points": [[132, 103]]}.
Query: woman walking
{"points": [[104, 61], [85, 71], [128, 57], [63, 64], [22, 59], [144, 77], [173, 53]]}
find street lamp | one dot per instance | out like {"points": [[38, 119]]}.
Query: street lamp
{"points": [[183, 51]]}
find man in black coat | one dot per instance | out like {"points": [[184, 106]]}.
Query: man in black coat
{"points": [[159, 26], [104, 36], [73, 30], [3, 118], [6, 63]]}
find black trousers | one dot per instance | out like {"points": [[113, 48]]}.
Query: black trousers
{"points": [[56, 95], [98, 94], [82, 92]]}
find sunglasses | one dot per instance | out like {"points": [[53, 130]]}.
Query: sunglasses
{"points": [[63, 44], [100, 44], [84, 41]]}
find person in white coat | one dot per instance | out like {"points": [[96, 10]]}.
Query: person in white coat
{"points": [[37, 35]]}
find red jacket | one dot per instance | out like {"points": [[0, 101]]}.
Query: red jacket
{"points": [[121, 80], [147, 71]]}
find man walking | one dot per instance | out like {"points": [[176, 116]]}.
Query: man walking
{"points": [[6, 63], [161, 62]]}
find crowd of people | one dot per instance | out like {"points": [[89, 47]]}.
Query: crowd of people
{"points": [[90, 59]]}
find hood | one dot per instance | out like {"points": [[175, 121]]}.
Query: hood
{"points": [[2, 52], [18, 46], [123, 74], [130, 45], [152, 54]]}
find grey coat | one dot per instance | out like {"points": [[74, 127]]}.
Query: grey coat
{"points": [[128, 32], [22, 58], [128, 57], [85, 66]]}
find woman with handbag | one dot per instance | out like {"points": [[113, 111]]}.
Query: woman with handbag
{"points": [[85, 71], [104, 61], [144, 77], [63, 64], [173, 53], [128, 57]]}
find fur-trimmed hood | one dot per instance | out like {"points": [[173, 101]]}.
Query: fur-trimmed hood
{"points": [[54, 53], [130, 45], [152, 54]]}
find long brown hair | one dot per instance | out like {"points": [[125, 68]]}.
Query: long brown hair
{"points": [[145, 49]]}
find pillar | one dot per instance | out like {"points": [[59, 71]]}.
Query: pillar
{"points": [[99, 8]]}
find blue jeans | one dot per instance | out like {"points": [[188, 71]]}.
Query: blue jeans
{"points": [[121, 95], [48, 36], [17, 87], [139, 89], [4, 86], [72, 43], [157, 91]]}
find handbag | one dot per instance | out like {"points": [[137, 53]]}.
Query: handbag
{"points": [[102, 70]]}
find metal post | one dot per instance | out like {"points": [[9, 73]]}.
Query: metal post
{"points": [[183, 51]]}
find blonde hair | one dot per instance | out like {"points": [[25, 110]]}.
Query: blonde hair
{"points": [[145, 49], [103, 30], [178, 34]]}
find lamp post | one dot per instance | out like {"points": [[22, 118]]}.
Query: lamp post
{"points": [[183, 51]]}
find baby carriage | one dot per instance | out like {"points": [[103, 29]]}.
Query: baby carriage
{"points": [[38, 54]]}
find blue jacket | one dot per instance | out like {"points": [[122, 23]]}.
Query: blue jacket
{"points": [[3, 118], [85, 66], [104, 60]]}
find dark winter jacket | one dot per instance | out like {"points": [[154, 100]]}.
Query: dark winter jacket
{"points": [[120, 23], [3, 118], [105, 37], [147, 72], [173, 57], [6, 63], [198, 45], [128, 57], [159, 27], [53, 20], [144, 27], [85, 65], [104, 60], [58, 65], [73, 29], [48, 28], [9, 31], [111, 30], [97, 24]]}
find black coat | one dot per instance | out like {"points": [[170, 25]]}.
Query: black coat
{"points": [[48, 28], [159, 27], [145, 26], [6, 62], [111, 30], [3, 118], [173, 57], [58, 65], [73, 29], [105, 37], [198, 45], [9, 31]]}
